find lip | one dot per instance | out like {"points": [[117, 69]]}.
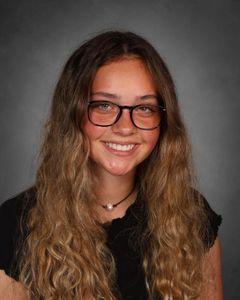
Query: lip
{"points": [[119, 152], [121, 143]]}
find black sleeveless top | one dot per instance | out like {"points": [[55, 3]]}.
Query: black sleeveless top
{"points": [[123, 236]]}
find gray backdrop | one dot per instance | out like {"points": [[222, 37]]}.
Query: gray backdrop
{"points": [[200, 42]]}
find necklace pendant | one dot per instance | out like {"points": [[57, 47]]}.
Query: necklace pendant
{"points": [[109, 206]]}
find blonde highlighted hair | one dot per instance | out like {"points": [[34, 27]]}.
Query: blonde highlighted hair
{"points": [[65, 254]]}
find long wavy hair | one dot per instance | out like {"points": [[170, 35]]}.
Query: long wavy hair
{"points": [[65, 254]]}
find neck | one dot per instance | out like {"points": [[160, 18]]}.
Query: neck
{"points": [[112, 189]]}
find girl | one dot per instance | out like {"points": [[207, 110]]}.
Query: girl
{"points": [[114, 213]]}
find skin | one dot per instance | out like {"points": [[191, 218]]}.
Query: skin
{"points": [[11, 289], [212, 270], [124, 82]]}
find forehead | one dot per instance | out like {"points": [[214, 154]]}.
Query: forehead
{"points": [[125, 75]]}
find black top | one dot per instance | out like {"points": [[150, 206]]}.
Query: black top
{"points": [[122, 234]]}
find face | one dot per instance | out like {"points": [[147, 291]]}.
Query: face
{"points": [[120, 148]]}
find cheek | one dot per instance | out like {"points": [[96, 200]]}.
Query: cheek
{"points": [[91, 131], [151, 139]]}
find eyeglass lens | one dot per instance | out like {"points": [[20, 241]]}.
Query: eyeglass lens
{"points": [[105, 114]]}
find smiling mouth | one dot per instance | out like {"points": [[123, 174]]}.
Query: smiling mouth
{"points": [[118, 147]]}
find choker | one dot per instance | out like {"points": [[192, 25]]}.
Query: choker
{"points": [[110, 206]]}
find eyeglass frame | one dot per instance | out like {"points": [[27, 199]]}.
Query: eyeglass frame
{"points": [[121, 107]]}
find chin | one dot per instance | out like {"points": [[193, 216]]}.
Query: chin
{"points": [[118, 172], [116, 168]]}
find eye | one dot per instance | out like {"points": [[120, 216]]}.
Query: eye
{"points": [[102, 106], [146, 109]]}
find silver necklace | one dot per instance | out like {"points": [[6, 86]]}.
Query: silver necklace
{"points": [[110, 206]]}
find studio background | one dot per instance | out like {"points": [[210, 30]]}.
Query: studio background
{"points": [[199, 40]]}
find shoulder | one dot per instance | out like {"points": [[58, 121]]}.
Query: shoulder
{"points": [[12, 212], [212, 273], [11, 289]]}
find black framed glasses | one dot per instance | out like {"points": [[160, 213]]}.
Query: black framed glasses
{"points": [[143, 116]]}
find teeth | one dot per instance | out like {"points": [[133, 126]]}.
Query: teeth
{"points": [[120, 147]]}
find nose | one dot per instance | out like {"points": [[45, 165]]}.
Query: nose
{"points": [[124, 125]]}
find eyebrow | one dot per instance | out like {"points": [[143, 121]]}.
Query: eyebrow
{"points": [[115, 96]]}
